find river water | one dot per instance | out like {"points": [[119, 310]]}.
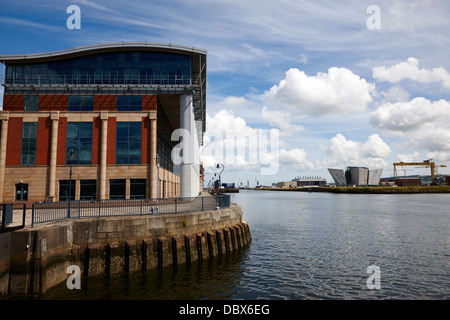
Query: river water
{"points": [[309, 246]]}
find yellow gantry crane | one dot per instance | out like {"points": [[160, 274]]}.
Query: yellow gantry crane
{"points": [[426, 163]]}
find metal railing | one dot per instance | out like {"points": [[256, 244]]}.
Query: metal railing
{"points": [[53, 211], [100, 79]]}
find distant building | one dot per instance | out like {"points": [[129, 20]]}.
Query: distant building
{"points": [[310, 181], [299, 182], [338, 176], [358, 176], [403, 182], [287, 184]]}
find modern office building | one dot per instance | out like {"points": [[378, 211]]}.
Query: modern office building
{"points": [[357, 176], [108, 112], [338, 176]]}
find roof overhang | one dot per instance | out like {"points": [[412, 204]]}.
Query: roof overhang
{"points": [[100, 48]]}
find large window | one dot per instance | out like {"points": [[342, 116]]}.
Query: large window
{"points": [[129, 103], [81, 103], [88, 189], [31, 103], [128, 143], [137, 188], [29, 134], [117, 188], [66, 188], [107, 68], [79, 139]]}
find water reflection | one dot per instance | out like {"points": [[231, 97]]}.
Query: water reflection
{"points": [[309, 246], [215, 278]]}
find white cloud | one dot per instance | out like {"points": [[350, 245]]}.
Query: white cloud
{"points": [[229, 140], [296, 157], [281, 120], [414, 157], [233, 102], [425, 125], [395, 93], [342, 152], [339, 91], [409, 69], [410, 115]]}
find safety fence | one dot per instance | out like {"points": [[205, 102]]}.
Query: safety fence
{"points": [[53, 211], [7, 222]]}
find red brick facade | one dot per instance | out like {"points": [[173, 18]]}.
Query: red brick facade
{"points": [[13, 102], [62, 135], [14, 145], [53, 102], [111, 151], [43, 141]]}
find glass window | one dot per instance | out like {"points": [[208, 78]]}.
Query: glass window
{"points": [[129, 103], [21, 192], [128, 143], [31, 103], [88, 189], [106, 68], [79, 141], [65, 187], [29, 135], [137, 188], [117, 188], [81, 103]]}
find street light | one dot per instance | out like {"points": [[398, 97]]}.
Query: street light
{"points": [[70, 182], [223, 168], [157, 182]]}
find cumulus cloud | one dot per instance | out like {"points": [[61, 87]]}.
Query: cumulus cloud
{"points": [[395, 93], [339, 91], [342, 152], [229, 140], [410, 115], [409, 69], [296, 157], [424, 124], [281, 120]]}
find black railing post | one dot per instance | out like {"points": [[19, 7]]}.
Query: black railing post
{"points": [[3, 216], [24, 212]]}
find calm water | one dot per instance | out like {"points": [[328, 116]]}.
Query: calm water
{"points": [[309, 246]]}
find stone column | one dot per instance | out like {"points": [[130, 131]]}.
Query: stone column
{"points": [[152, 179], [189, 184], [54, 118], [4, 116], [103, 155]]}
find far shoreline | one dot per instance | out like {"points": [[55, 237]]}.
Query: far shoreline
{"points": [[365, 190]]}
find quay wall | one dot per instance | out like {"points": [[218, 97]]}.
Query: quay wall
{"points": [[32, 260]]}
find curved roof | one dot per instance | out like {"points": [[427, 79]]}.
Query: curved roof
{"points": [[100, 48]]}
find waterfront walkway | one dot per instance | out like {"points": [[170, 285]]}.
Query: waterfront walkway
{"points": [[204, 201]]}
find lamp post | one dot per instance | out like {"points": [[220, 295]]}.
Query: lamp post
{"points": [[223, 168], [157, 181], [70, 182]]}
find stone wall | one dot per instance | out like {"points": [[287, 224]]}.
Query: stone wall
{"points": [[37, 258]]}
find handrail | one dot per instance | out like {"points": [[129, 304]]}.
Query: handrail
{"points": [[101, 79], [53, 211]]}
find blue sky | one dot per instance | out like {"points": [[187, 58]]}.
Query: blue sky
{"points": [[338, 92]]}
